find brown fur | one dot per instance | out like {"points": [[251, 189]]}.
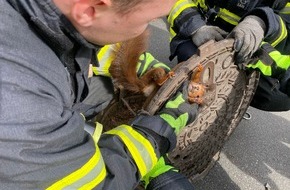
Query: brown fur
{"points": [[196, 89], [123, 67]]}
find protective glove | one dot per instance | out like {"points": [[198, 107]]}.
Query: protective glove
{"points": [[177, 112], [248, 36], [206, 33], [170, 120], [160, 168], [163, 176]]}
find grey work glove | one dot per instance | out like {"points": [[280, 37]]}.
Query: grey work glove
{"points": [[206, 33], [248, 36]]}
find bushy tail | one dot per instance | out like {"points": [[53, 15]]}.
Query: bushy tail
{"points": [[124, 65]]}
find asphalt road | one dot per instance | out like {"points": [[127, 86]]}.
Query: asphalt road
{"points": [[256, 156]]}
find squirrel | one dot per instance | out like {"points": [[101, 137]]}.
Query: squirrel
{"points": [[124, 71], [124, 67], [196, 89]]}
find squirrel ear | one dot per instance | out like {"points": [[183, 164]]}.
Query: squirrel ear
{"points": [[84, 12]]}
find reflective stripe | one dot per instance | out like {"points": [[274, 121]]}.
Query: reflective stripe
{"points": [[146, 61], [86, 177], [84, 118], [174, 104], [265, 69], [283, 34], [90, 174], [160, 168], [281, 62], [105, 57], [176, 123], [160, 64], [201, 3], [140, 148], [97, 132], [178, 7], [228, 16], [286, 9], [172, 33]]}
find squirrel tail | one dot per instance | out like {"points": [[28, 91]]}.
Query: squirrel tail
{"points": [[124, 66]]}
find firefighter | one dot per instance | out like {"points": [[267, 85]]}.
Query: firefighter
{"points": [[47, 92], [254, 25]]}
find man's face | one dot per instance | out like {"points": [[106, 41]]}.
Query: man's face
{"points": [[112, 26]]}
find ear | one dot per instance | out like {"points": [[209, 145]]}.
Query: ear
{"points": [[85, 11]]}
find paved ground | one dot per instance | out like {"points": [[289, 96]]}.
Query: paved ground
{"points": [[257, 153]]}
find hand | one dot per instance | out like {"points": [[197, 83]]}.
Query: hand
{"points": [[175, 115], [177, 112], [248, 36], [206, 33]]}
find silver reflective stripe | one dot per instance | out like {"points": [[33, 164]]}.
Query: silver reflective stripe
{"points": [[92, 175], [139, 147]]}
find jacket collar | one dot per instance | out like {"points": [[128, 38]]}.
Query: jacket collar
{"points": [[51, 24]]}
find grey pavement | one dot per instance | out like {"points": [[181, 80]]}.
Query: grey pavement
{"points": [[256, 156]]}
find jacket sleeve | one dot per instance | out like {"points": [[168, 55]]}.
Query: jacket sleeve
{"points": [[183, 19], [274, 51], [276, 31], [43, 142], [123, 156], [272, 62], [284, 45]]}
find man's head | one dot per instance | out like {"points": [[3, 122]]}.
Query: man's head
{"points": [[109, 21]]}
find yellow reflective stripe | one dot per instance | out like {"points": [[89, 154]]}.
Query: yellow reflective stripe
{"points": [[178, 7], [101, 71], [160, 168], [87, 177], [97, 132], [101, 176], [265, 69], [282, 61], [140, 148], [105, 57], [160, 64], [146, 60], [141, 60], [133, 150], [282, 35], [286, 9], [228, 16], [172, 33], [201, 3]]}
